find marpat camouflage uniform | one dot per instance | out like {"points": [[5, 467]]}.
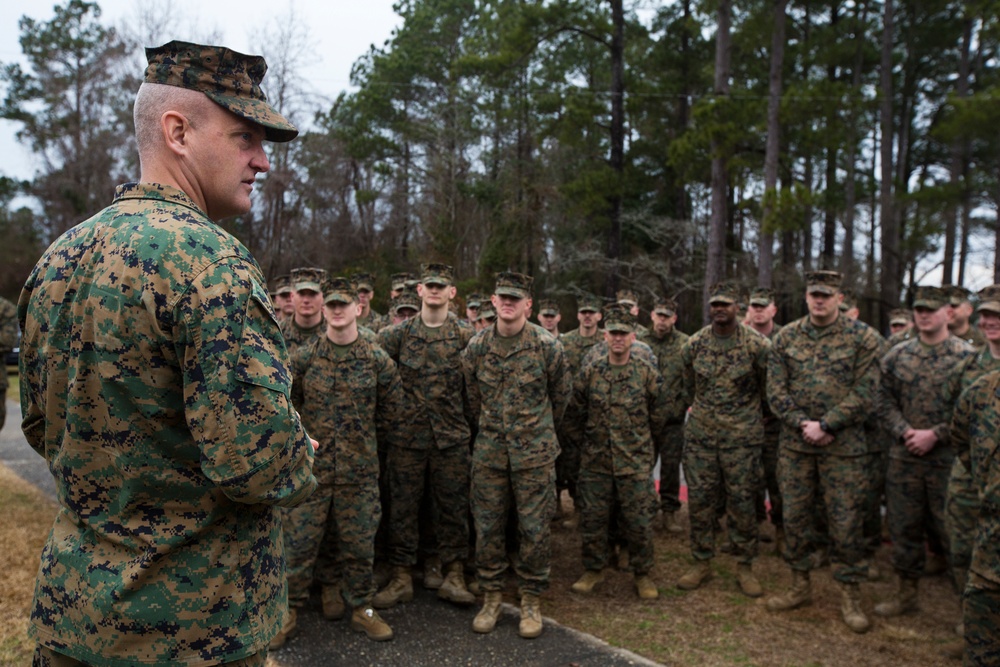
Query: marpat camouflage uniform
{"points": [[374, 321], [8, 341], [575, 347], [827, 374], [724, 383], [155, 382], [296, 336], [912, 397], [349, 397], [518, 388]]}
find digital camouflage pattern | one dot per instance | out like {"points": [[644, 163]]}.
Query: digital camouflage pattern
{"points": [[671, 446], [981, 620], [519, 389], [723, 380], [374, 321], [296, 336], [614, 417], [155, 383], [831, 374], [433, 457], [576, 347], [8, 341], [962, 501], [350, 397], [912, 396], [640, 350]]}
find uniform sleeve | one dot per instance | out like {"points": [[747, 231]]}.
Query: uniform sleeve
{"points": [[687, 376], [560, 380], [391, 407], [888, 402], [961, 417], [659, 407], [470, 360], [760, 366], [237, 388], [861, 399], [779, 398], [8, 326], [575, 418]]}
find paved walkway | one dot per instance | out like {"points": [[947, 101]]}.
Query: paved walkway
{"points": [[428, 632]]}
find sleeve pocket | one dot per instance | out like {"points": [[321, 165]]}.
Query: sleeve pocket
{"points": [[263, 359]]}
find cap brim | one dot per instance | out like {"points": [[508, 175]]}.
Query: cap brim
{"points": [[760, 302], [276, 127], [721, 299], [930, 305], [989, 306], [338, 298], [511, 291], [666, 312], [619, 328], [315, 287], [821, 289]]}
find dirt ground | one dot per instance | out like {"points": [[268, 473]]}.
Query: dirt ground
{"points": [[718, 625]]}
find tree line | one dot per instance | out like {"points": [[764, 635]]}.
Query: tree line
{"points": [[594, 144]]}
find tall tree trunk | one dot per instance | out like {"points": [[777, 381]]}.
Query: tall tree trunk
{"points": [[617, 144], [956, 167], [847, 262], [715, 266], [828, 250], [890, 225], [765, 269]]}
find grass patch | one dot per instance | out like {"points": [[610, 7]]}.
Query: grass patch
{"points": [[24, 526]]}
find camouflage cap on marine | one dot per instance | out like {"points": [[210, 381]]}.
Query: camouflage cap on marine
{"points": [[665, 306], [309, 278], [989, 299], [399, 280], [899, 316], [588, 303], [408, 298], [339, 290], [486, 311], [436, 274], [517, 285], [627, 296], [957, 295], [762, 296], [229, 78], [283, 285], [725, 292], [849, 300], [548, 307], [930, 298], [823, 282], [364, 282], [618, 317], [474, 300]]}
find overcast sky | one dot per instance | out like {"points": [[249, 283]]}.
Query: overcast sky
{"points": [[339, 32]]}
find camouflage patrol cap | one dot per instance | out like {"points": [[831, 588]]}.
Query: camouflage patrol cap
{"points": [[665, 306], [517, 285], [588, 303], [956, 294], [618, 317], [364, 282], [762, 296], [309, 278], [283, 285], [823, 282], [725, 292], [474, 300], [929, 297], [229, 78], [436, 274], [339, 290], [989, 299], [627, 296], [848, 302], [548, 307], [899, 316], [486, 311], [408, 298], [399, 280]]}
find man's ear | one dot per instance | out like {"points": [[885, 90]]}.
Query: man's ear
{"points": [[176, 131]]}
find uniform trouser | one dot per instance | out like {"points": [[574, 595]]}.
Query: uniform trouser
{"points": [[709, 471], [636, 507], [532, 493], [567, 466], [842, 480], [769, 477], [873, 503], [442, 475], [961, 512], [46, 657], [981, 618], [915, 494], [349, 515], [671, 452]]}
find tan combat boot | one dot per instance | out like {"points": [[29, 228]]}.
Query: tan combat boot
{"points": [[850, 609], [669, 523], [333, 603], [287, 630], [645, 587], [399, 589], [531, 616], [903, 601], [590, 580], [432, 573], [487, 617], [748, 581], [367, 620], [453, 589], [696, 576], [799, 594]]}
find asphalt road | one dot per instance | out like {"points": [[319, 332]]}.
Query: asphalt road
{"points": [[428, 632]]}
